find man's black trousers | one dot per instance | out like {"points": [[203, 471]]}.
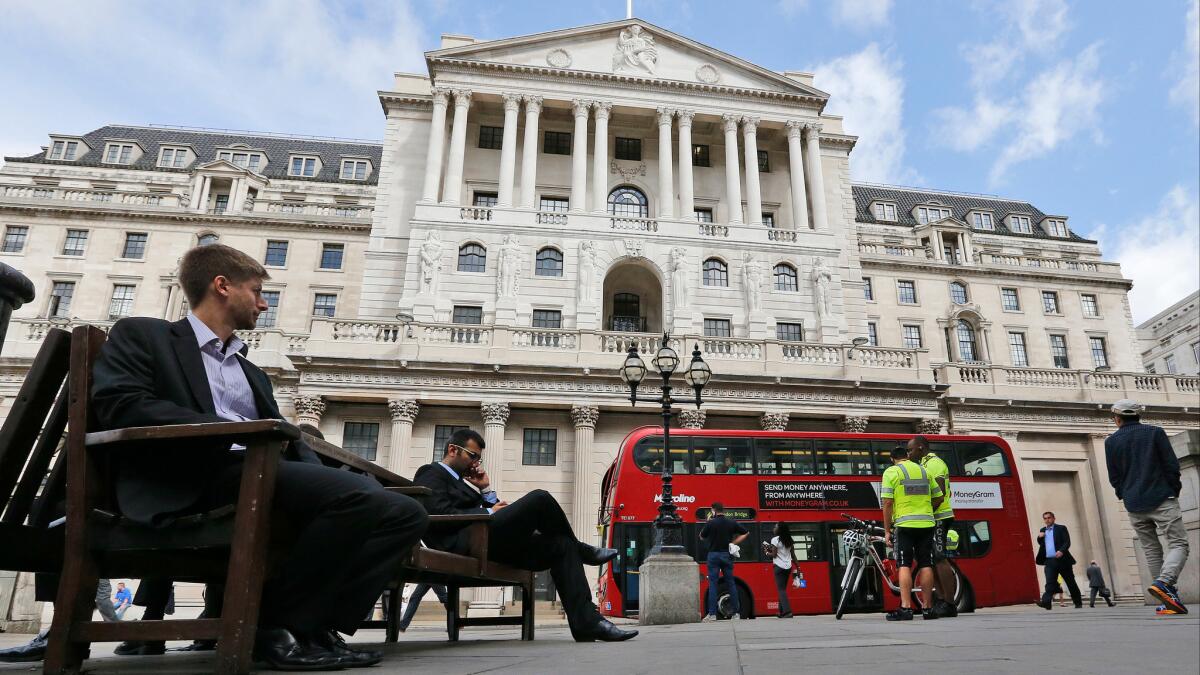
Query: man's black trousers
{"points": [[1053, 568]]}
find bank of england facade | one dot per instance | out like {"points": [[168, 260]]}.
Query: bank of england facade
{"points": [[541, 203]]}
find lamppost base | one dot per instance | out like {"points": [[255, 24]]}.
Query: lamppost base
{"points": [[668, 537], [668, 590]]}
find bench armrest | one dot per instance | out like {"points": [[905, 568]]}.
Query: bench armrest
{"points": [[411, 490], [233, 432], [461, 518]]}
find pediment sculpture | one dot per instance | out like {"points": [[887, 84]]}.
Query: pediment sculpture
{"points": [[635, 51]]}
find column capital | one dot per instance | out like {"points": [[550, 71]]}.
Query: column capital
{"points": [[533, 104], [664, 116], [853, 424], [495, 414], [585, 416], [774, 421], [581, 106], [794, 128], [1010, 434], [440, 95], [603, 109], [309, 408], [685, 117], [730, 122], [750, 125], [512, 102], [692, 419], [929, 425], [403, 409], [813, 129], [462, 98]]}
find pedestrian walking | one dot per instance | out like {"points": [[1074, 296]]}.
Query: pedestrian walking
{"points": [[122, 601], [1054, 544], [1096, 584], [414, 601], [1144, 471], [781, 550], [720, 532]]}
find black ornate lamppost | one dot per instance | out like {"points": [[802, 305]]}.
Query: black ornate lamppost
{"points": [[668, 527]]}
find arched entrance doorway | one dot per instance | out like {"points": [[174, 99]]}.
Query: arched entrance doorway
{"points": [[633, 298]]}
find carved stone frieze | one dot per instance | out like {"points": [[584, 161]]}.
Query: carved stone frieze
{"points": [[929, 425], [692, 419], [626, 172]]}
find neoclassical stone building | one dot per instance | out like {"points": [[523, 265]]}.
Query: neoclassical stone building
{"points": [[541, 203]]}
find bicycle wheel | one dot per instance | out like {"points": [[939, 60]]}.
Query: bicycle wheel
{"points": [[849, 584]]}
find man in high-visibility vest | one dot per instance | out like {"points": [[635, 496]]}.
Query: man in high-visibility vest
{"points": [[910, 495], [943, 516]]}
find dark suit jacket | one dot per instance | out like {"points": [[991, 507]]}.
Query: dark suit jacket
{"points": [[449, 497], [1062, 542], [150, 373]]}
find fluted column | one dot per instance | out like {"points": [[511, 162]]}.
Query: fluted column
{"points": [[437, 139], [583, 519], [458, 147], [666, 184], [600, 158], [495, 417], [816, 184], [309, 409], [508, 150], [404, 413], [692, 419], [687, 204], [733, 181], [774, 421], [529, 152], [579, 155], [753, 189], [853, 424], [796, 173]]}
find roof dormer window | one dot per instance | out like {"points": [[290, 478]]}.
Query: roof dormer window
{"points": [[173, 157], [1020, 224], [885, 211], [303, 166], [118, 153], [982, 221], [246, 160], [1056, 227], [931, 214], [355, 169], [64, 150]]}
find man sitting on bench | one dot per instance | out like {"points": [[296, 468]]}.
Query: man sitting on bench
{"points": [[532, 533], [350, 533]]}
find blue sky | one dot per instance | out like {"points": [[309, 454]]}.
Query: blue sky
{"points": [[1087, 109]]}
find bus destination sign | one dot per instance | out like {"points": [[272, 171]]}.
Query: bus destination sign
{"points": [[734, 512], [798, 494]]}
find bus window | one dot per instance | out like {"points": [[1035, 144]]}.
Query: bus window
{"points": [[883, 454], [647, 454], [981, 459], [784, 456], [844, 458], [974, 537], [946, 452], [806, 544], [721, 455]]}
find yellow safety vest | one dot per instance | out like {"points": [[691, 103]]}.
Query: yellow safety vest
{"points": [[911, 490], [937, 468]]}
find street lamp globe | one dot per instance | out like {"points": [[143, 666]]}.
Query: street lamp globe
{"points": [[634, 369], [666, 360], [698, 373]]}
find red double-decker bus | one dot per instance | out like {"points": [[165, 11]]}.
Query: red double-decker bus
{"points": [[809, 479]]}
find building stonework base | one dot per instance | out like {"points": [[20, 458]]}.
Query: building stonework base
{"points": [[669, 590]]}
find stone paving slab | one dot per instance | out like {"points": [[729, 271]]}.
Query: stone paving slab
{"points": [[1005, 640]]}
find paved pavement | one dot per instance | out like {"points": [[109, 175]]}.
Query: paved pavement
{"points": [[1005, 640]]}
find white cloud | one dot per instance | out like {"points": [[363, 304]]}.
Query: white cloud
{"points": [[861, 13], [1158, 252], [867, 88], [1025, 27], [966, 130], [1186, 91]]}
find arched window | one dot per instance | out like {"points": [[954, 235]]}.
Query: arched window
{"points": [[785, 278], [966, 341], [958, 292], [628, 202], [549, 263], [716, 273], [472, 258], [206, 239]]}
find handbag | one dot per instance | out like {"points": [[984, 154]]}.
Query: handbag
{"points": [[1105, 593]]}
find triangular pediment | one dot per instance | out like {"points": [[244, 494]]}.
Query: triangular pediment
{"points": [[632, 48]]}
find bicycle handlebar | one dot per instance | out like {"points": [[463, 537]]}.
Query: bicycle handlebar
{"points": [[869, 526]]}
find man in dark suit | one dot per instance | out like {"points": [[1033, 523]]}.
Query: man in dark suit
{"points": [[532, 533], [1054, 554], [350, 533]]}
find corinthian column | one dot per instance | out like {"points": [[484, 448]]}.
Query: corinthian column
{"points": [[583, 519], [816, 182], [404, 413], [666, 185], [692, 419], [753, 189], [600, 159], [437, 139], [796, 174], [687, 205], [733, 181], [529, 152], [495, 417], [458, 147], [309, 409], [579, 155], [508, 150], [774, 421], [853, 424]]}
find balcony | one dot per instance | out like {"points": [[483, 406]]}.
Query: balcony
{"points": [[907, 252], [100, 198], [1058, 384]]}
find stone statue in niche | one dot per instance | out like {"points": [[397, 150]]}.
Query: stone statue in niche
{"points": [[679, 277], [587, 272], [821, 278], [635, 50], [431, 263], [508, 268], [752, 282]]}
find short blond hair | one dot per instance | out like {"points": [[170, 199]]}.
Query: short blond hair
{"points": [[202, 264]]}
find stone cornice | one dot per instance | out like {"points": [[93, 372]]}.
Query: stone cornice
{"points": [[77, 210], [409, 101], [979, 270]]}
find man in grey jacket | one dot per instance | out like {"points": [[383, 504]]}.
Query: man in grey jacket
{"points": [[1096, 582]]}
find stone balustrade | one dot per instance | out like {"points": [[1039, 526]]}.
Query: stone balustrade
{"points": [[1008, 260], [114, 197], [317, 209], [983, 379]]}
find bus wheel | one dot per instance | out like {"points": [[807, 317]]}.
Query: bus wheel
{"points": [[745, 603]]}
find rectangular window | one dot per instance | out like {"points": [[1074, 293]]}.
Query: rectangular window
{"points": [[441, 436], [331, 256], [243, 159], [303, 166], [704, 215], [912, 337], [547, 318], [276, 253], [1099, 352], [982, 221], [1010, 300], [1020, 224], [484, 199], [1169, 360], [361, 438], [764, 161], [491, 138], [700, 156], [135, 246], [629, 148], [1016, 350], [929, 214], [907, 291], [885, 212], [468, 315], [719, 328], [121, 303], [1058, 351], [1057, 228], [844, 458], [768, 219], [554, 204], [325, 304], [268, 318], [783, 456], [355, 169], [1050, 302], [172, 158], [540, 447], [557, 143], [789, 332], [60, 299], [722, 455], [64, 150], [14, 238], [222, 204], [118, 153], [75, 243], [872, 334], [868, 289], [1090, 306]]}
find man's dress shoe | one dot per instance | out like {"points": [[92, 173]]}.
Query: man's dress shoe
{"points": [[199, 646], [605, 631], [141, 648], [278, 649], [34, 650], [351, 658], [590, 555]]}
